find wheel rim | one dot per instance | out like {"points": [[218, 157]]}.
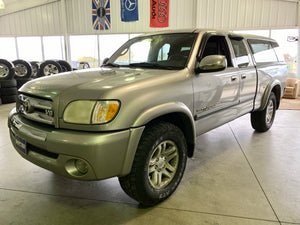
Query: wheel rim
{"points": [[21, 70], [4, 70], [270, 112], [50, 69], [34, 70], [163, 164]]}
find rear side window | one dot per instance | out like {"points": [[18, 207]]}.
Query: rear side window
{"points": [[278, 52], [262, 51], [240, 51]]}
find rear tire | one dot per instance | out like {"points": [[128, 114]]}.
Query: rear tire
{"points": [[65, 65], [23, 69], [21, 82], [7, 70], [8, 83], [49, 67], [158, 165], [262, 121], [8, 91], [8, 99], [35, 68]]}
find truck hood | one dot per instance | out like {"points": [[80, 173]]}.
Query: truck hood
{"points": [[92, 81]]}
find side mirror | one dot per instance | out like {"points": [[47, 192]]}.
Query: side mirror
{"points": [[105, 61], [212, 63]]}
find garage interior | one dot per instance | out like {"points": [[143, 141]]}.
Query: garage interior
{"points": [[236, 176]]}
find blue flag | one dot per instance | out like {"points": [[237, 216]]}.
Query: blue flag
{"points": [[129, 10]]}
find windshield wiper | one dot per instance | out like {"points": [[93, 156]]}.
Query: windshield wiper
{"points": [[152, 65], [111, 65]]}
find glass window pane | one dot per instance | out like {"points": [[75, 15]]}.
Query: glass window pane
{"points": [[134, 54], [84, 48], [8, 48], [30, 48], [110, 43], [288, 49], [163, 52], [53, 47], [147, 51], [240, 52], [262, 51]]}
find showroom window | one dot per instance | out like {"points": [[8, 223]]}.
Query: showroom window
{"points": [[8, 48], [288, 48], [30, 48], [110, 43], [53, 47], [84, 48]]}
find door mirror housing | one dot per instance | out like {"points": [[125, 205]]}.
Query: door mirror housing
{"points": [[212, 63], [105, 61]]}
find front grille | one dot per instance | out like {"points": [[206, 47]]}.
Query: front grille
{"points": [[36, 109]]}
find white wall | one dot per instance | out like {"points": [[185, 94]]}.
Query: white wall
{"points": [[24, 18], [246, 14]]}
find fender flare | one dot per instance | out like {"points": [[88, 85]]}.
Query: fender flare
{"points": [[267, 93], [161, 110], [145, 117]]}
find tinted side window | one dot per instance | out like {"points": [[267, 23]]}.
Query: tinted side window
{"points": [[240, 52], [217, 45], [262, 51], [278, 51]]}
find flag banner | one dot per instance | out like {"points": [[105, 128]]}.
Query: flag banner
{"points": [[159, 13], [101, 14], [129, 10]]}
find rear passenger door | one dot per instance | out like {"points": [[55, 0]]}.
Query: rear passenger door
{"points": [[247, 71]]}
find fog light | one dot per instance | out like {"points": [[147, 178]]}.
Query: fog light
{"points": [[81, 166]]}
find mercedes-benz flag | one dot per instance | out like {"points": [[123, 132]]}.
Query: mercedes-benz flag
{"points": [[129, 10]]}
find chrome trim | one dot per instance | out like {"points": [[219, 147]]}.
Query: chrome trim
{"points": [[36, 109]]}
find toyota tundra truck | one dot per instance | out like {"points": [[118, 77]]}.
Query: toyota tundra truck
{"points": [[138, 115]]}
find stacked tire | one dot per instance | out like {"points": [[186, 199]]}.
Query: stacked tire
{"points": [[8, 85], [23, 71], [51, 67]]}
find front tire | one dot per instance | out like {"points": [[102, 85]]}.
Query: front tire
{"points": [[262, 121], [158, 165]]}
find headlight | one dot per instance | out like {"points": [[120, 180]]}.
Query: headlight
{"points": [[91, 112]]}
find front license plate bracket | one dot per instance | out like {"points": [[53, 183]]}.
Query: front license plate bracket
{"points": [[21, 144]]}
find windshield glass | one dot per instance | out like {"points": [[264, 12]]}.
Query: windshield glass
{"points": [[162, 51]]}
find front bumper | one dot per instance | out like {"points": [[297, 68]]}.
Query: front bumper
{"points": [[106, 154]]}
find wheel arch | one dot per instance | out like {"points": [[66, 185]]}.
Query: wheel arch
{"points": [[274, 87], [176, 113]]}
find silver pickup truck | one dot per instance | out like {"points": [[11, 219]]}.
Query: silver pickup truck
{"points": [[138, 116]]}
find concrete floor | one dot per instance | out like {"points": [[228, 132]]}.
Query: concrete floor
{"points": [[237, 176]]}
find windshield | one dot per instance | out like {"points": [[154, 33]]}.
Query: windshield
{"points": [[162, 51]]}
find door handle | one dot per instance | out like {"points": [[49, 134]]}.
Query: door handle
{"points": [[244, 76], [233, 78]]}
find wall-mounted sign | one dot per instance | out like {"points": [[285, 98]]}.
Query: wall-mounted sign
{"points": [[159, 13], [101, 14], [292, 38], [129, 10]]}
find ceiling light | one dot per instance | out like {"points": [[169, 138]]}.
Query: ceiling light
{"points": [[2, 5]]}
